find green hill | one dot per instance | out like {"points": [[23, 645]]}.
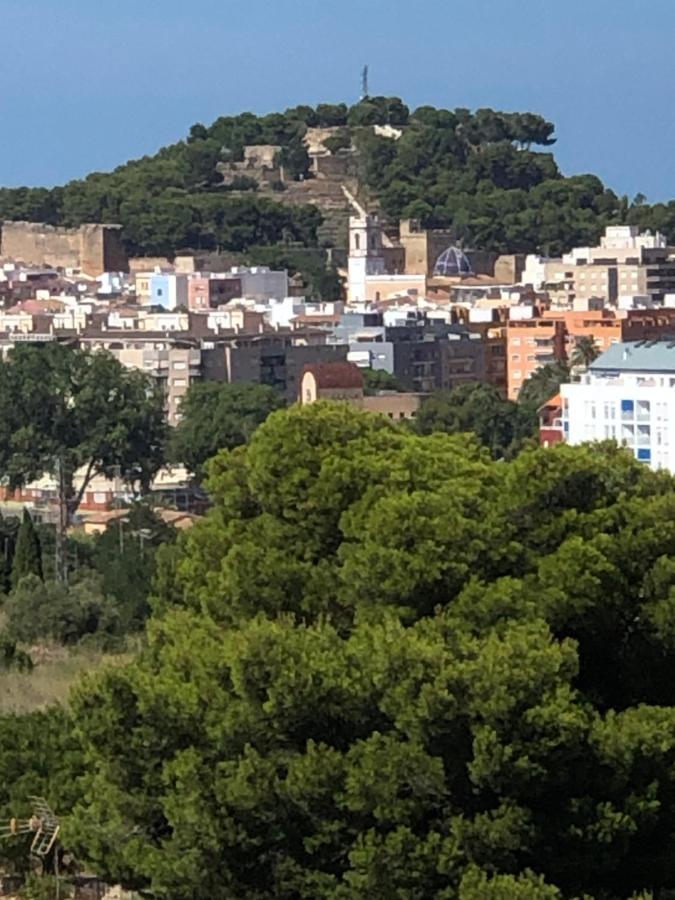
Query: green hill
{"points": [[476, 171]]}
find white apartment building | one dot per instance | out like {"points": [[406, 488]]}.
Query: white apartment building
{"points": [[626, 263], [628, 395], [622, 241]]}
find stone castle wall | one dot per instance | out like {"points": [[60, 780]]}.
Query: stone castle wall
{"points": [[92, 248]]}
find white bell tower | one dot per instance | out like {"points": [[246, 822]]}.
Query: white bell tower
{"points": [[365, 250]]}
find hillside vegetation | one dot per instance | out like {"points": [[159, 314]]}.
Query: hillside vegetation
{"points": [[476, 171]]}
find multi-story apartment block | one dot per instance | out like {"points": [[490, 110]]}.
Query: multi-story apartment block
{"points": [[535, 337], [261, 283], [628, 395], [428, 358], [173, 367], [492, 333], [277, 360], [532, 341], [211, 291], [627, 263]]}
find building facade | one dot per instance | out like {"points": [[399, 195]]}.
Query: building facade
{"points": [[532, 341], [169, 291], [626, 263], [628, 395], [212, 291], [536, 338]]}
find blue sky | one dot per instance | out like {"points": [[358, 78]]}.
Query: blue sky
{"points": [[87, 84]]}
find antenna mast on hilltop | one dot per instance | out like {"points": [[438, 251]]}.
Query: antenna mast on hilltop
{"points": [[364, 82]]}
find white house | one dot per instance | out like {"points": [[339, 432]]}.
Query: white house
{"points": [[628, 395]]}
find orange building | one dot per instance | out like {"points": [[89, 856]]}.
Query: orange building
{"points": [[550, 336], [530, 344]]}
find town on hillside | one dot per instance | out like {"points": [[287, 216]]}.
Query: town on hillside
{"points": [[416, 308], [337, 557]]}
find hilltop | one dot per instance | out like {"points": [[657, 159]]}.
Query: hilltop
{"points": [[248, 181]]}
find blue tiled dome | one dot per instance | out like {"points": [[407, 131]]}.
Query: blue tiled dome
{"points": [[452, 261]]}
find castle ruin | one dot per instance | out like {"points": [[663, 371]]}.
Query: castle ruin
{"points": [[91, 249]]}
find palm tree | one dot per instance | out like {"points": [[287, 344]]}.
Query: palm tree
{"points": [[543, 384], [584, 353]]}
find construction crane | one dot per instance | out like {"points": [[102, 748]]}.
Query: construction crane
{"points": [[44, 825]]}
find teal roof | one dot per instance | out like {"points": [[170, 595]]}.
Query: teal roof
{"points": [[637, 356]]}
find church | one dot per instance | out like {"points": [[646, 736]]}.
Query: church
{"points": [[380, 269]]}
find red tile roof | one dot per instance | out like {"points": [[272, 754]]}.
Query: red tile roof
{"points": [[335, 375], [555, 402]]}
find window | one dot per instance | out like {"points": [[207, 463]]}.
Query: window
{"points": [[515, 357], [357, 241], [179, 365], [627, 409], [179, 382], [160, 292], [516, 342], [643, 410], [644, 454]]}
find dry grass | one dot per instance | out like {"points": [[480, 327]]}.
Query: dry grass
{"points": [[56, 671]]}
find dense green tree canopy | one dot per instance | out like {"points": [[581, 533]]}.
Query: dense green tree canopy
{"points": [[68, 409], [124, 558], [219, 416], [500, 425], [375, 380], [51, 611], [39, 755], [387, 666]]}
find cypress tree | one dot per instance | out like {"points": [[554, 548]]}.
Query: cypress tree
{"points": [[28, 553], [6, 555]]}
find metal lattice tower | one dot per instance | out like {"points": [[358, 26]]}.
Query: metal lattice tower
{"points": [[364, 83]]}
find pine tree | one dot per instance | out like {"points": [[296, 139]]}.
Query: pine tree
{"points": [[28, 553]]}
